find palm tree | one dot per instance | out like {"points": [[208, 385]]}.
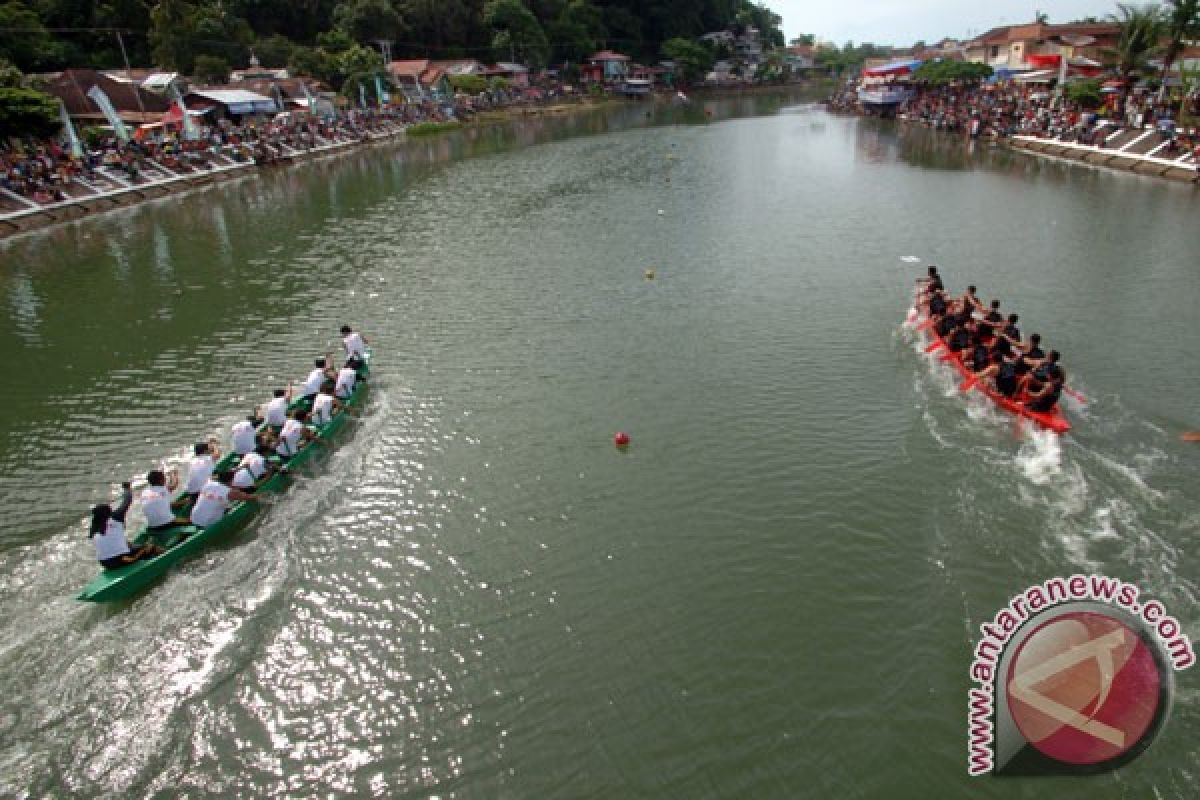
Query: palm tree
{"points": [[1182, 23], [1141, 30]]}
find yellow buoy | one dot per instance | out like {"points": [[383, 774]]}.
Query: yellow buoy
{"points": [[649, 274]]}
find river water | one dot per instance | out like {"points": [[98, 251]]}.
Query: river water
{"points": [[773, 593]]}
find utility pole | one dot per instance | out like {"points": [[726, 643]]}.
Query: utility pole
{"points": [[137, 87], [385, 50]]}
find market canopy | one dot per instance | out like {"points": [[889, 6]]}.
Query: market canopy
{"points": [[1041, 76], [238, 101], [893, 68]]}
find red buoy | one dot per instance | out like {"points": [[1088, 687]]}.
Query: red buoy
{"points": [[621, 439]]}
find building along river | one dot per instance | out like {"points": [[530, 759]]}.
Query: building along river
{"points": [[774, 592]]}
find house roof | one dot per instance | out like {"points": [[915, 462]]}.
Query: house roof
{"points": [[459, 66], [72, 85], [607, 55], [229, 97], [289, 87], [409, 69]]}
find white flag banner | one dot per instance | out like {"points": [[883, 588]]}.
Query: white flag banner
{"points": [[106, 107]]}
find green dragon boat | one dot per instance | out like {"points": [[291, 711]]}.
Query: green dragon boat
{"points": [[183, 541]]}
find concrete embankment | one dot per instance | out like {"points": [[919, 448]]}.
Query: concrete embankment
{"points": [[1181, 169], [97, 202]]}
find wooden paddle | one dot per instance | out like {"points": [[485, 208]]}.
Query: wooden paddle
{"points": [[968, 384], [927, 324], [1075, 394], [935, 345], [1191, 436]]}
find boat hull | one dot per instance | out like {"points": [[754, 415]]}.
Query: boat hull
{"points": [[183, 541], [1050, 420]]}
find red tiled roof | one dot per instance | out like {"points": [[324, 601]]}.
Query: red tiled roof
{"points": [[607, 55], [408, 69]]}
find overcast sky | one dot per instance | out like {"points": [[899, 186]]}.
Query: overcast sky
{"points": [[903, 22]]}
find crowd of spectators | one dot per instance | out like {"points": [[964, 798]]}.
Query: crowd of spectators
{"points": [[1010, 108], [43, 171]]}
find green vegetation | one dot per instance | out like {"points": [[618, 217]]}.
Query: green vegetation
{"points": [[314, 35], [850, 56], [427, 128], [1086, 93], [468, 84], [941, 73], [692, 60], [27, 112], [1182, 24]]}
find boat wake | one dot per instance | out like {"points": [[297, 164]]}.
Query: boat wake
{"points": [[1099, 498]]}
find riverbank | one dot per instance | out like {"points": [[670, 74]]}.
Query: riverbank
{"points": [[163, 182], [41, 216], [1032, 120], [1123, 157]]}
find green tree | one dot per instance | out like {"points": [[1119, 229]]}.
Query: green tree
{"points": [[211, 69], [942, 73], [10, 76], [1141, 29], [468, 84], [1182, 24], [692, 61], [315, 62], [26, 42], [516, 33], [274, 51], [364, 20], [26, 112], [1086, 93], [577, 31]]}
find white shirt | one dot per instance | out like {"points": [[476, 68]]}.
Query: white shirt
{"points": [[211, 504], [312, 384], [322, 409], [289, 438], [276, 412], [243, 437], [355, 346], [111, 543], [345, 382], [199, 471], [252, 468], [156, 506]]}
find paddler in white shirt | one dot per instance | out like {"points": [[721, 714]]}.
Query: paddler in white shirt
{"points": [[356, 347], [324, 406], [107, 531], [199, 471], [253, 470], [156, 501], [345, 382], [215, 498], [274, 413], [294, 435], [317, 376], [243, 436]]}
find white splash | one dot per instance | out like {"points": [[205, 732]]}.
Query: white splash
{"points": [[1040, 456]]}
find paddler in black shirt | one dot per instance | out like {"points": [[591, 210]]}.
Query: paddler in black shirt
{"points": [[992, 319], [970, 301]]}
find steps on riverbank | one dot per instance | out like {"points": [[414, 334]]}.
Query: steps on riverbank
{"points": [[1145, 151], [110, 187]]}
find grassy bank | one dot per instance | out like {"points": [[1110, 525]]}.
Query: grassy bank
{"points": [[426, 128]]}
